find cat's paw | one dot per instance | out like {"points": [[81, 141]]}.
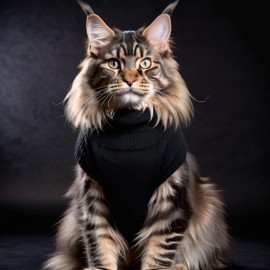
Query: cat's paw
{"points": [[180, 266]]}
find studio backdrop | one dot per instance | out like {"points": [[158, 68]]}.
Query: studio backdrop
{"points": [[223, 51]]}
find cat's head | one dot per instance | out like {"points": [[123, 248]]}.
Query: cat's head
{"points": [[128, 69]]}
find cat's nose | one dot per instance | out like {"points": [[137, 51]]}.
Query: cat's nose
{"points": [[130, 80], [130, 76]]}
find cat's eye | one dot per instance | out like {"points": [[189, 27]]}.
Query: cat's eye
{"points": [[113, 63], [145, 63]]}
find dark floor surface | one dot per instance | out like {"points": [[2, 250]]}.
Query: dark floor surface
{"points": [[29, 251]]}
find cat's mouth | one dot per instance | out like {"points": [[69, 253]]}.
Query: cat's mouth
{"points": [[131, 91]]}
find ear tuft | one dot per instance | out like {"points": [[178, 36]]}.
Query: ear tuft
{"points": [[99, 34], [158, 32], [170, 8], [85, 7]]}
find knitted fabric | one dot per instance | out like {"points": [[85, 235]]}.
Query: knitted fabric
{"points": [[130, 158]]}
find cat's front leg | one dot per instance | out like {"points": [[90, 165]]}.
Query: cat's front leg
{"points": [[104, 246], [167, 219]]}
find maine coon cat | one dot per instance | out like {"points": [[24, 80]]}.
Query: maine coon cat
{"points": [[138, 200]]}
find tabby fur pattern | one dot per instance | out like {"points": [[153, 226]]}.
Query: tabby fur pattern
{"points": [[185, 228]]}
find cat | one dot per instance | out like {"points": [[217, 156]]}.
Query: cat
{"points": [[138, 200]]}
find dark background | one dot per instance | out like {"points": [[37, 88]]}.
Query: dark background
{"points": [[223, 50]]}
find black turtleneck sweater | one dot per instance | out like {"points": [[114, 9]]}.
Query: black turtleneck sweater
{"points": [[130, 158]]}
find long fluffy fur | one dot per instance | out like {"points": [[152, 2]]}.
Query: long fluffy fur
{"points": [[203, 245], [205, 241], [193, 234], [83, 109]]}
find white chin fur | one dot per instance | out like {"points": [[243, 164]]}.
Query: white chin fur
{"points": [[130, 100]]}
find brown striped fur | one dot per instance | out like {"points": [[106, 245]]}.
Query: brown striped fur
{"points": [[185, 228]]}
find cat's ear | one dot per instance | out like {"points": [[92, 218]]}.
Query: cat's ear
{"points": [[98, 32], [159, 31]]}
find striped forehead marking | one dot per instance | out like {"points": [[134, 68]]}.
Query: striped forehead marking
{"points": [[129, 45]]}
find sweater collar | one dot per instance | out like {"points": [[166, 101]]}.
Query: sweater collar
{"points": [[125, 119], [132, 130]]}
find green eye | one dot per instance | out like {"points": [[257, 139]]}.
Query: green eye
{"points": [[145, 63], [113, 63]]}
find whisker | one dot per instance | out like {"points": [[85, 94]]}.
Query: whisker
{"points": [[200, 101], [160, 93], [110, 99], [106, 97], [100, 88], [101, 94]]}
